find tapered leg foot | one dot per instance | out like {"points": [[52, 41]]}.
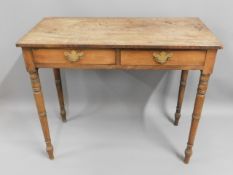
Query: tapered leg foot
{"points": [[49, 150], [57, 76], [63, 115], [177, 118], [188, 154], [183, 80]]}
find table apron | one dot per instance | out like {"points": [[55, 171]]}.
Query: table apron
{"points": [[119, 59]]}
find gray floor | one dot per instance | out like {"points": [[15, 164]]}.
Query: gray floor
{"points": [[114, 138]]}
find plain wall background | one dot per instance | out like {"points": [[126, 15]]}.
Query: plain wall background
{"points": [[108, 97], [17, 17]]}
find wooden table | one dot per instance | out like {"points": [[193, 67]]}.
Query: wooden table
{"points": [[120, 43]]}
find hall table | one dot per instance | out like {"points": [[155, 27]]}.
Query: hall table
{"points": [[120, 43]]}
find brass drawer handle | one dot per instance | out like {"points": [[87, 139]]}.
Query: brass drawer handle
{"points": [[162, 57], [73, 56]]}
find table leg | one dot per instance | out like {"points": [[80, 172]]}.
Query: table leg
{"points": [[201, 91], [36, 86], [57, 76], [183, 80]]}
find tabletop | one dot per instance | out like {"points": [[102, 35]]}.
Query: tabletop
{"points": [[167, 33]]}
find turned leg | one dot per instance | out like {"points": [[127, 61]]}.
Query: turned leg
{"points": [[36, 86], [202, 87], [183, 80], [57, 76]]}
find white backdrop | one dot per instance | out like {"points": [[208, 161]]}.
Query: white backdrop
{"points": [[89, 91]]}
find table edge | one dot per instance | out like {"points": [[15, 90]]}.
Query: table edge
{"points": [[118, 46]]}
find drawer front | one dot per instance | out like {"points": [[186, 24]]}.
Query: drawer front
{"points": [[172, 58], [74, 56]]}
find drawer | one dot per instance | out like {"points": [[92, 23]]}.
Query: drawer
{"points": [[172, 58], [74, 56]]}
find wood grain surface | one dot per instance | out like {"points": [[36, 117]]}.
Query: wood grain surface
{"points": [[120, 43], [169, 33], [145, 57], [90, 56]]}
